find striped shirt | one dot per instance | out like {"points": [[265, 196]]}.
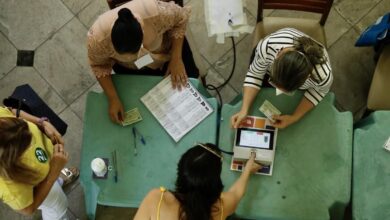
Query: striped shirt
{"points": [[317, 86]]}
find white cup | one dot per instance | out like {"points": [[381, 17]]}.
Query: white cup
{"points": [[99, 167]]}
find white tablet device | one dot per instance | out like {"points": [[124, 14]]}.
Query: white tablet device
{"points": [[259, 140]]}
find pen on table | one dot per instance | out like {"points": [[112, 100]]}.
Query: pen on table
{"points": [[141, 136], [135, 141], [115, 165]]}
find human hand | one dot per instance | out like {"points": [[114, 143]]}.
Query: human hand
{"points": [[178, 73], [236, 119], [116, 111], [251, 164], [52, 133], [283, 121], [59, 159]]}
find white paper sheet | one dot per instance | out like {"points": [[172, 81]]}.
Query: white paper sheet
{"points": [[177, 111]]}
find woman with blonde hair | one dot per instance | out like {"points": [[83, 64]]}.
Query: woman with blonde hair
{"points": [[32, 160], [288, 60]]}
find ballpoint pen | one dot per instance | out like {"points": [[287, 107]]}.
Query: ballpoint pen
{"points": [[115, 165], [135, 141], [140, 135]]}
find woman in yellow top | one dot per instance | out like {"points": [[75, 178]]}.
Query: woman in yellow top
{"points": [[198, 194], [30, 165]]}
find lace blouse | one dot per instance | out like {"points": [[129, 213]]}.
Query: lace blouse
{"points": [[163, 21]]}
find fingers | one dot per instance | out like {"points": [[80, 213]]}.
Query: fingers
{"points": [[174, 81], [114, 118], [60, 139], [121, 114], [59, 151], [277, 117], [257, 166], [232, 121], [277, 125], [279, 121], [66, 155], [57, 138], [58, 148], [237, 121], [253, 155], [117, 119], [178, 80]]}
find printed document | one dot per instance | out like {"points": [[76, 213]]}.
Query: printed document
{"points": [[177, 111]]}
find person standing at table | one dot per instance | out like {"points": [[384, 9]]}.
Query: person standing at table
{"points": [[198, 194], [287, 60], [32, 167], [147, 31]]}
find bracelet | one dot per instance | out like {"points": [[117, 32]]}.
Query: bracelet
{"points": [[41, 120]]}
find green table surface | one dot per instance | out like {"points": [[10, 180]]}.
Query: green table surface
{"points": [[156, 162], [312, 166], [371, 168]]}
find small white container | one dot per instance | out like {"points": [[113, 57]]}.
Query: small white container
{"points": [[99, 167]]}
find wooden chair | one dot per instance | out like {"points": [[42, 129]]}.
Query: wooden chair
{"points": [[115, 3], [311, 27]]}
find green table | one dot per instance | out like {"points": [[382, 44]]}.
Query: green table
{"points": [[371, 168], [156, 162], [312, 167]]}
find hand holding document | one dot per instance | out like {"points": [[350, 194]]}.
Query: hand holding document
{"points": [[132, 116], [269, 110]]}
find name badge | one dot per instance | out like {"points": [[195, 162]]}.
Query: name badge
{"points": [[143, 61]]}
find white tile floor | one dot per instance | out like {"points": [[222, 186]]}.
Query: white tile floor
{"points": [[56, 31]]}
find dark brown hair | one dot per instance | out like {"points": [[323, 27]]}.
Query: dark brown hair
{"points": [[292, 68], [15, 138], [126, 35], [198, 183]]}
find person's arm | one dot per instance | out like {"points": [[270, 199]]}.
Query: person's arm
{"points": [[115, 110], [283, 121], [47, 127], [175, 19], [232, 197], [57, 163], [249, 95], [176, 66], [253, 81], [101, 65]]}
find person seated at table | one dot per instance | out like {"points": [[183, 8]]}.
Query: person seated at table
{"points": [[288, 60], [121, 36], [198, 194], [32, 160]]}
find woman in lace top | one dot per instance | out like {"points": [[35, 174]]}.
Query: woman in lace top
{"points": [[121, 36]]}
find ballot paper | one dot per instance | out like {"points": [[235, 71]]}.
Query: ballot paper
{"points": [[132, 116], [177, 111], [269, 110]]}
